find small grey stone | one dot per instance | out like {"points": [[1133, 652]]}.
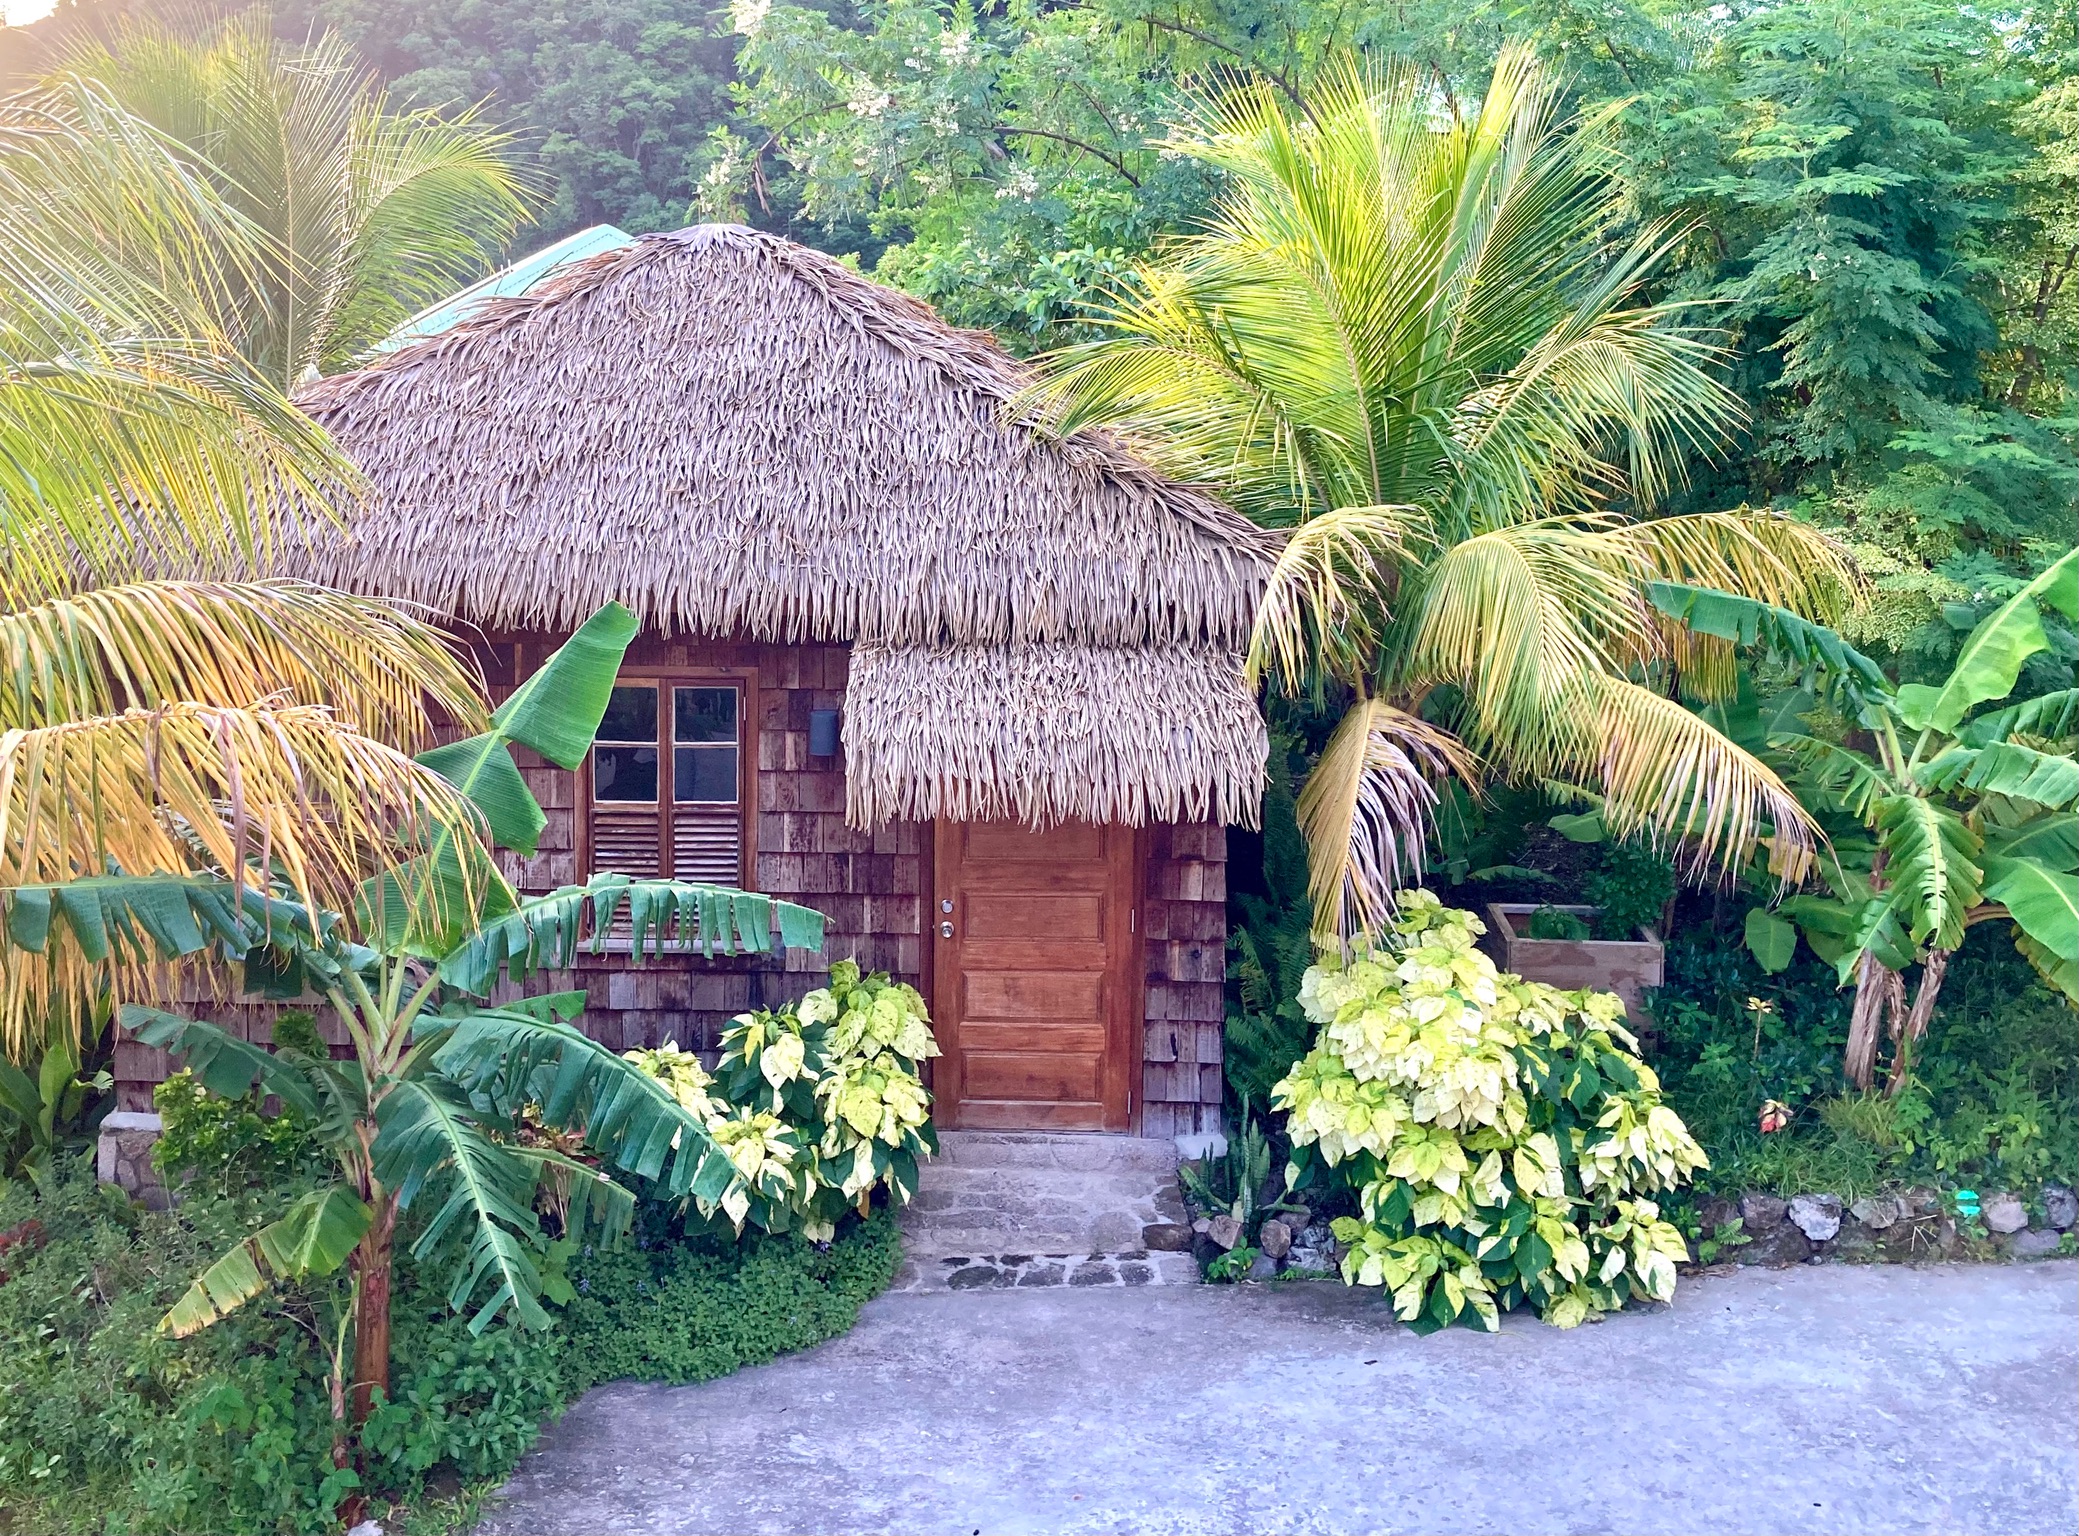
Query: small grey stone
{"points": [[1167, 1237], [2004, 1213], [1014, 1259], [1877, 1212], [1312, 1261], [1781, 1244], [1043, 1274], [1275, 1239], [957, 1262], [366, 1528], [1263, 1267], [2039, 1243], [1319, 1234], [1226, 1231], [2060, 1207], [1921, 1201], [1203, 1225], [975, 1277], [1761, 1213], [1093, 1274], [1817, 1216], [1135, 1274], [1298, 1217]]}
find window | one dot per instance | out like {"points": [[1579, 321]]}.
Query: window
{"points": [[666, 781]]}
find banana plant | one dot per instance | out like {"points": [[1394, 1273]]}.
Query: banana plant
{"points": [[423, 1115], [1957, 814]]}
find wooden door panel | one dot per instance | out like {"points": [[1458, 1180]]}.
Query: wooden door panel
{"points": [[1037, 984], [1031, 995], [1005, 915], [1055, 1077]]}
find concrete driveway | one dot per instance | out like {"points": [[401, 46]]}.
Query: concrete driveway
{"points": [[1831, 1399]]}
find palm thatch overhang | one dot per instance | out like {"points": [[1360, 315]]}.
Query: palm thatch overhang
{"points": [[738, 437]]}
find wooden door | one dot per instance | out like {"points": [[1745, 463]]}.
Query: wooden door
{"points": [[1036, 976]]}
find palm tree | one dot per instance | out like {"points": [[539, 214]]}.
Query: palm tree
{"points": [[1425, 347], [152, 726], [366, 213]]}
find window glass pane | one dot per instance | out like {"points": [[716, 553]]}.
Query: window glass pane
{"points": [[704, 714], [631, 715], [706, 774], [624, 773]]}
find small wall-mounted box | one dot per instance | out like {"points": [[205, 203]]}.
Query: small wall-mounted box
{"points": [[822, 733]]}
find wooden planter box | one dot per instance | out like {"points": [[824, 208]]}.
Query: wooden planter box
{"points": [[1627, 967]]}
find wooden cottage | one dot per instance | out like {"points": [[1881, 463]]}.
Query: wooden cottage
{"points": [[970, 690]]}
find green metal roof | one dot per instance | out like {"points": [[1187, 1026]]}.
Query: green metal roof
{"points": [[506, 283]]}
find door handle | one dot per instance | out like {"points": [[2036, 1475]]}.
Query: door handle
{"points": [[945, 930]]}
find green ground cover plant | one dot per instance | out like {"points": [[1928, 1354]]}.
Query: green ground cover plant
{"points": [[107, 1424]]}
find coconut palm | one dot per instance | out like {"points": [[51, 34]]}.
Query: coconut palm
{"points": [[368, 212], [1425, 347], [155, 725]]}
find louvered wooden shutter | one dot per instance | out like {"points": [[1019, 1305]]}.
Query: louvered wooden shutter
{"points": [[707, 843], [626, 840]]}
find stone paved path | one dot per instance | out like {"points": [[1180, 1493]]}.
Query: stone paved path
{"points": [[1814, 1399]]}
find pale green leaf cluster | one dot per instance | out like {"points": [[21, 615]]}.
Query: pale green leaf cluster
{"points": [[816, 1105], [1500, 1135]]}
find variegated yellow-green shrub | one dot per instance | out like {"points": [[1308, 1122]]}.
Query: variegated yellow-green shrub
{"points": [[816, 1104], [1502, 1138]]}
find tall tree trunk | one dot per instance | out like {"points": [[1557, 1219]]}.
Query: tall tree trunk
{"points": [[1917, 1021], [372, 1308]]}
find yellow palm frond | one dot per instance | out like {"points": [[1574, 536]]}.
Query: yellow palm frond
{"points": [[139, 647], [1519, 618], [1667, 776], [1365, 812], [285, 791], [1335, 573]]}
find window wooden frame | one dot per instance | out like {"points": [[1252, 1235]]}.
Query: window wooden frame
{"points": [[748, 719]]}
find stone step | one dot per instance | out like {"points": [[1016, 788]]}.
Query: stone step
{"points": [[1080, 1151], [1026, 1271], [1041, 1193]]}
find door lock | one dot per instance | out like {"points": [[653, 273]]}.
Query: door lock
{"points": [[945, 930]]}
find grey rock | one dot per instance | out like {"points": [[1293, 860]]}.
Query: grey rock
{"points": [[2060, 1207], [1319, 1234], [1780, 1245], [1855, 1243], [1202, 1225], [1921, 1201], [2039, 1243], [1761, 1213], [1263, 1267], [1275, 1239], [1311, 1261], [1093, 1274], [976, 1277], [1298, 1218], [1226, 1231], [1817, 1216], [366, 1528], [2004, 1213], [1043, 1274], [1135, 1274], [1166, 1237], [1877, 1212]]}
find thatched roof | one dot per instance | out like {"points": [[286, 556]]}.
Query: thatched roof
{"points": [[733, 434], [1050, 732], [739, 437]]}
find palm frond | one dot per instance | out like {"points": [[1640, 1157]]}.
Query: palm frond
{"points": [[265, 793], [139, 647], [1665, 775], [1335, 571], [1366, 811]]}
